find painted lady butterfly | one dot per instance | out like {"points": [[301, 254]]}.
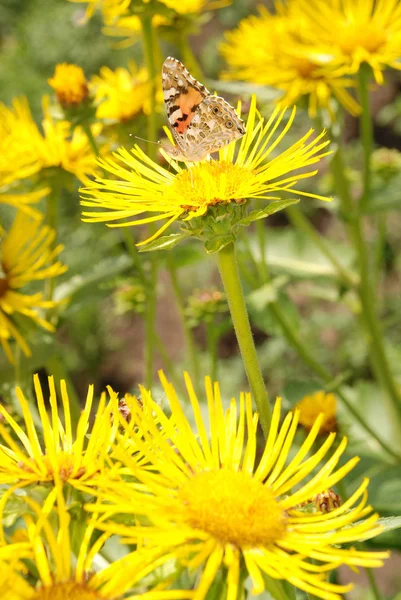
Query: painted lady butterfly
{"points": [[200, 122]]}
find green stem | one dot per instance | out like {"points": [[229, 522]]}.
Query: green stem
{"points": [[373, 585], [188, 333], [366, 132], [307, 356], [150, 318], [367, 292], [91, 139], [301, 223], [232, 285], [149, 50]]}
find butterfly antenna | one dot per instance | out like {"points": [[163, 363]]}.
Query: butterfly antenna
{"points": [[143, 139]]}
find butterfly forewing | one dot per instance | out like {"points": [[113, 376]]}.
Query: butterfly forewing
{"points": [[200, 122]]}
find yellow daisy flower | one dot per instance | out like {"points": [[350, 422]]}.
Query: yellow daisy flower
{"points": [[209, 505], [70, 84], [113, 9], [27, 150], [17, 127], [360, 31], [121, 94], [63, 457], [141, 186], [319, 403], [27, 255], [269, 50], [66, 568]]}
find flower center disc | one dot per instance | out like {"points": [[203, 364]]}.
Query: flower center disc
{"points": [[3, 286], [232, 507], [67, 591], [352, 36]]}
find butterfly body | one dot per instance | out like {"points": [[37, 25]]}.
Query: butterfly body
{"points": [[201, 123]]}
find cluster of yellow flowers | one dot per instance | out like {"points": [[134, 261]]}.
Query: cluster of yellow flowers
{"points": [[197, 497], [313, 49]]}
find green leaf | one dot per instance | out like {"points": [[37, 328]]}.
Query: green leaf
{"points": [[270, 209], [390, 523], [165, 242], [104, 270], [218, 242]]}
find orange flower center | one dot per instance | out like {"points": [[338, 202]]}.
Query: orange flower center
{"points": [[351, 36], [3, 286], [67, 591], [232, 507]]}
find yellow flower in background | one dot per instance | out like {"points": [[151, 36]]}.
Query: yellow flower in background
{"points": [[141, 186], [211, 506], [63, 567], [269, 50], [27, 254], [359, 31], [123, 93], [112, 10], [70, 84], [185, 7], [23, 200], [17, 128], [27, 150], [319, 403], [63, 456]]}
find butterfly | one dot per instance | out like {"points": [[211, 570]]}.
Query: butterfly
{"points": [[200, 122]]}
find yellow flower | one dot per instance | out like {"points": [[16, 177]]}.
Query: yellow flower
{"points": [[64, 568], [17, 128], [25, 150], [209, 505], [269, 50], [70, 84], [359, 31], [121, 94], [112, 10], [186, 7], [62, 457], [141, 186], [27, 255], [319, 403]]}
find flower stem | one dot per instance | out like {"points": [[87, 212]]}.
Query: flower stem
{"points": [[150, 318], [307, 356], [149, 51], [373, 585], [232, 285], [366, 132], [189, 338], [91, 139], [301, 223], [149, 54], [366, 289]]}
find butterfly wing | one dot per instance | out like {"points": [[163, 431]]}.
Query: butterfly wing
{"points": [[200, 123], [182, 96]]}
